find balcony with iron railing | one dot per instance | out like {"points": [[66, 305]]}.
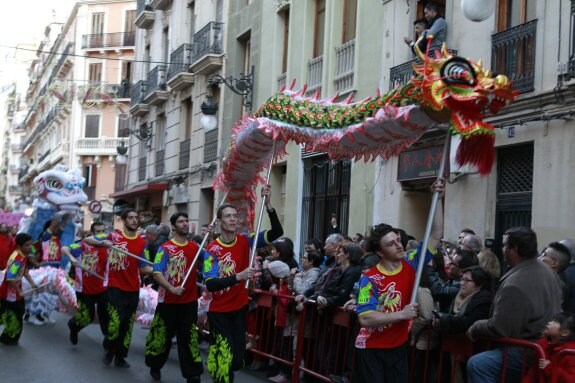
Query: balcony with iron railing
{"points": [[145, 15], [160, 4], [207, 48], [103, 91], [179, 76], [103, 41], [98, 146], [44, 160], [137, 93], [344, 67], [184, 154], [513, 54], [314, 75], [159, 165], [156, 92], [42, 124], [142, 169], [399, 75], [63, 65], [211, 145]]}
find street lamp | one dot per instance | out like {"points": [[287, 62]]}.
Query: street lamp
{"points": [[243, 86], [144, 133]]}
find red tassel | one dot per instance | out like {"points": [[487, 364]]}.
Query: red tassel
{"points": [[477, 150]]}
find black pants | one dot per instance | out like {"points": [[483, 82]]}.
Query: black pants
{"points": [[227, 344], [11, 314], [87, 306], [179, 320], [378, 365], [122, 307]]}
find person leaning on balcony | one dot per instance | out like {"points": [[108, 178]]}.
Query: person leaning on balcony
{"points": [[529, 294], [420, 26], [437, 27]]}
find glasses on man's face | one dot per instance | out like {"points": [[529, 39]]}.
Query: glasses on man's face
{"points": [[466, 280], [304, 258]]}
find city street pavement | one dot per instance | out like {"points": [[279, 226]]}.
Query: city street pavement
{"points": [[46, 355]]}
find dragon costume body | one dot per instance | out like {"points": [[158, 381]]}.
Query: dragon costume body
{"points": [[444, 89]]}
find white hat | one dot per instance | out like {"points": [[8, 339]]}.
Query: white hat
{"points": [[278, 269]]}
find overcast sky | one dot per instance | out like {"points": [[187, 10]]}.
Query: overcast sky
{"points": [[23, 22]]}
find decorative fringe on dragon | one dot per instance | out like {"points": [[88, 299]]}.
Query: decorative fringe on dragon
{"points": [[445, 89]]}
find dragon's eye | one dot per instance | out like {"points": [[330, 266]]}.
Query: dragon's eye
{"points": [[54, 183], [458, 71]]}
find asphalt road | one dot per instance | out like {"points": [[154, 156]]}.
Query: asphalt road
{"points": [[46, 355]]}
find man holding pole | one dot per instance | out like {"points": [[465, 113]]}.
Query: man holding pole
{"points": [[228, 308], [175, 269], [90, 263], [125, 263], [11, 294], [383, 303]]}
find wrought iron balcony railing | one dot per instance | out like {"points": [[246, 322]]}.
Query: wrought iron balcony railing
{"points": [[208, 40], [109, 40], [211, 145], [513, 54], [180, 60], [143, 5], [137, 92], [399, 75], [101, 90], [156, 79]]}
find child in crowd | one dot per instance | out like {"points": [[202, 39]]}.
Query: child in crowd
{"points": [[11, 294], [559, 335]]}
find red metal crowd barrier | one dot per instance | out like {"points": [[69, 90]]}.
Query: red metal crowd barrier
{"points": [[319, 343]]}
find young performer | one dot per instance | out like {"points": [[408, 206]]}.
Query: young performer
{"points": [[177, 310], [123, 274], [229, 306], [11, 301], [90, 263]]}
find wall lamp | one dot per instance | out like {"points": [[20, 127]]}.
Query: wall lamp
{"points": [[143, 133], [243, 86]]}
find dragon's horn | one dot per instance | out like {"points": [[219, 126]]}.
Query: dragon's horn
{"points": [[332, 100], [367, 99], [445, 52], [418, 51], [378, 92], [349, 98], [283, 87], [304, 89], [317, 94], [292, 84]]}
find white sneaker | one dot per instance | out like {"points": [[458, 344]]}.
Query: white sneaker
{"points": [[48, 318], [35, 321]]}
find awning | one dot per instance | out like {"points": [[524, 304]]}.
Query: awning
{"points": [[142, 189]]}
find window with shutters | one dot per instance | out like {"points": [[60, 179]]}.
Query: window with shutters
{"points": [[95, 72], [124, 125], [129, 25], [349, 20], [92, 129], [319, 28], [90, 175], [97, 23]]}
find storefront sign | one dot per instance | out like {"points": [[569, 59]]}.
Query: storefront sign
{"points": [[419, 164]]}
